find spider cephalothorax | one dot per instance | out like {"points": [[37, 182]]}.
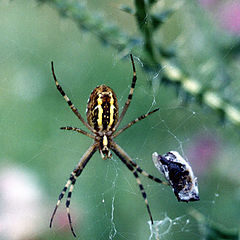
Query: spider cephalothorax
{"points": [[103, 122]]}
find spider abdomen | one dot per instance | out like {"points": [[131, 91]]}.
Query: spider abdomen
{"points": [[102, 109]]}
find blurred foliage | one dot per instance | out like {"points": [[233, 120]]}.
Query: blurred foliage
{"points": [[212, 230], [155, 58], [174, 44]]}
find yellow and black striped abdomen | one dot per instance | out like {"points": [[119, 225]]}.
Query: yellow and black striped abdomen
{"points": [[102, 109]]}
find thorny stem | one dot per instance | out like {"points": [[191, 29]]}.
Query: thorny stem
{"points": [[171, 74], [212, 230], [144, 22]]}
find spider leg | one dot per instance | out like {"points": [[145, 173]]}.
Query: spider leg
{"points": [[69, 102], [134, 79], [134, 121], [71, 181], [137, 167], [126, 159], [60, 197], [78, 130], [68, 209], [142, 191], [144, 173]]}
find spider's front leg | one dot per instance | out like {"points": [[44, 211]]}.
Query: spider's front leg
{"points": [[133, 164], [126, 160], [71, 181]]}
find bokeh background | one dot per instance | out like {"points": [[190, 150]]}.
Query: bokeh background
{"points": [[36, 157]]}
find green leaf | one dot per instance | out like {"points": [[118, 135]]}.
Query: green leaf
{"points": [[127, 9], [160, 18], [151, 2]]}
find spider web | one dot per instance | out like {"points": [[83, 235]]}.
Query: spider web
{"points": [[106, 203]]}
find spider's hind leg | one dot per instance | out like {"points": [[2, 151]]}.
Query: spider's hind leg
{"points": [[127, 103], [69, 102]]}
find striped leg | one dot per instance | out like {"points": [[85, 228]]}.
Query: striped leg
{"points": [[144, 173], [69, 102], [125, 159], [143, 194], [134, 121], [134, 165], [134, 79], [77, 173], [78, 130], [72, 180], [67, 206]]}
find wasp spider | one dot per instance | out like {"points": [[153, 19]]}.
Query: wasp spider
{"points": [[103, 122]]}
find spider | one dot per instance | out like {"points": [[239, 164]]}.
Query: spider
{"points": [[103, 122]]}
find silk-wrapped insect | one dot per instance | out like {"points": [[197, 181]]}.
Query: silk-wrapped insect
{"points": [[179, 175]]}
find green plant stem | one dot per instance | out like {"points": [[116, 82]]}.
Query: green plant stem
{"points": [[145, 25], [212, 230], [169, 73]]}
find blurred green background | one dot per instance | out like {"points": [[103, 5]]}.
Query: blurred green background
{"points": [[37, 157]]}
